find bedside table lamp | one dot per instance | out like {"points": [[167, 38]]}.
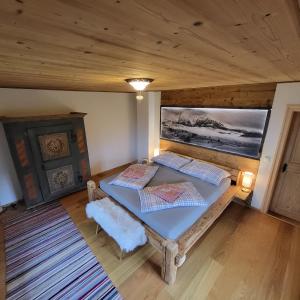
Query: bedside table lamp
{"points": [[247, 181], [156, 152]]}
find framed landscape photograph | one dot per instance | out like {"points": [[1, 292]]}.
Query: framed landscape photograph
{"points": [[232, 130]]}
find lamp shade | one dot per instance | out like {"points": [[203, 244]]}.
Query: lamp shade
{"points": [[139, 84], [156, 152], [247, 181]]}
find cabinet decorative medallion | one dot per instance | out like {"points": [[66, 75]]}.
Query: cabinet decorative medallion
{"points": [[84, 169], [80, 140], [30, 186], [60, 178], [54, 146], [21, 152]]}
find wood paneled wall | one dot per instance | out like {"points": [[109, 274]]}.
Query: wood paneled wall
{"points": [[247, 95], [244, 96]]}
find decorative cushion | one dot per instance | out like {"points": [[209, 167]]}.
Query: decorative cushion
{"points": [[130, 177], [135, 171], [171, 160], [168, 192], [205, 171], [190, 197]]}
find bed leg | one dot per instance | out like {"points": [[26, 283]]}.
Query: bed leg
{"points": [[169, 268], [91, 187]]}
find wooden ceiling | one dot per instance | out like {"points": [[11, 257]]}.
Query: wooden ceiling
{"points": [[94, 45]]}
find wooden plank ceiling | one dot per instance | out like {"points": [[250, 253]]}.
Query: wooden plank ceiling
{"points": [[94, 45]]}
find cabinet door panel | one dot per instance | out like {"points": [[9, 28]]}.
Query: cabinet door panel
{"points": [[56, 159], [54, 145]]}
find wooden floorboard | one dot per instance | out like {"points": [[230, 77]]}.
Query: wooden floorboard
{"points": [[244, 255]]}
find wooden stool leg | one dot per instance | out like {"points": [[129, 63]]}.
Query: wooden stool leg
{"points": [[97, 229], [169, 268], [121, 255]]}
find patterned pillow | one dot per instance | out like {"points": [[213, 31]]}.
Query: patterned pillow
{"points": [[168, 192], [171, 160], [190, 197], [135, 171], [206, 172], [135, 176]]}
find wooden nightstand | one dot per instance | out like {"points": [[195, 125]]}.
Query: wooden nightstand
{"points": [[243, 198]]}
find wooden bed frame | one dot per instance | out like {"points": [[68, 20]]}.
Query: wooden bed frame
{"points": [[174, 251]]}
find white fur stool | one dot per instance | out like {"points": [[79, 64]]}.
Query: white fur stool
{"points": [[117, 223]]}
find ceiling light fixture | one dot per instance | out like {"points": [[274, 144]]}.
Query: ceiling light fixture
{"points": [[139, 84]]}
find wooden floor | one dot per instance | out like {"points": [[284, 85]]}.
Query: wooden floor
{"points": [[245, 255]]}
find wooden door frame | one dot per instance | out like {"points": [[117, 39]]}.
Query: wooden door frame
{"points": [[287, 122]]}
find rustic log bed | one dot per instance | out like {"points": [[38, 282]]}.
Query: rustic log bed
{"points": [[174, 251]]}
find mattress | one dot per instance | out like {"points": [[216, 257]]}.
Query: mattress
{"points": [[173, 222]]}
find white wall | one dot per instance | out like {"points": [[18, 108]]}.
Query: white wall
{"points": [[154, 122], [286, 93], [142, 128], [148, 124], [10, 189], [110, 126]]}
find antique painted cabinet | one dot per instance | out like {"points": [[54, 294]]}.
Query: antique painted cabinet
{"points": [[50, 155]]}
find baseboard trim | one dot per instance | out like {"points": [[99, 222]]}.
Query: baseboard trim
{"points": [[112, 171]]}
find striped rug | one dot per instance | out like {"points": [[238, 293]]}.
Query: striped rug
{"points": [[47, 258]]}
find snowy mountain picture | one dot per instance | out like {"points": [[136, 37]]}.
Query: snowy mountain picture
{"points": [[237, 131]]}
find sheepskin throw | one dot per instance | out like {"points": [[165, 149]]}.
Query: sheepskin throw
{"points": [[117, 223]]}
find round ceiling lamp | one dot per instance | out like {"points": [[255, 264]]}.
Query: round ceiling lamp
{"points": [[139, 84]]}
